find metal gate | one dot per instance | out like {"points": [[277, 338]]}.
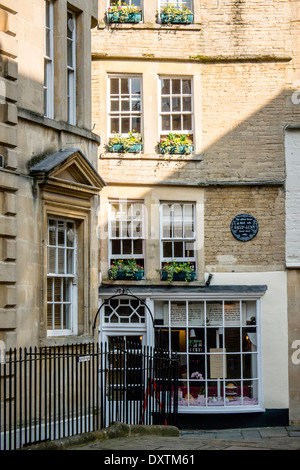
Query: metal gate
{"points": [[56, 392]]}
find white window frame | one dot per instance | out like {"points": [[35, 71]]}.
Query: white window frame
{"points": [[173, 239], [120, 237], [48, 60], [71, 68], [70, 278], [119, 114], [182, 112]]}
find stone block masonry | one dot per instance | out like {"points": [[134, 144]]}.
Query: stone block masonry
{"points": [[225, 253]]}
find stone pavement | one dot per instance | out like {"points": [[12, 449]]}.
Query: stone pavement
{"points": [[277, 438]]}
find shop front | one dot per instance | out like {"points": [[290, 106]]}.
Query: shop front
{"points": [[216, 332]]}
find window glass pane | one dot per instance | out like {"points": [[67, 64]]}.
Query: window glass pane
{"points": [[127, 248], [70, 261], [176, 104], [233, 366], [137, 211], [183, 369], [196, 337], [49, 289], [187, 122], [214, 314], [115, 229], [232, 340], [61, 236], [186, 87], [137, 247], [165, 123], [178, 340], [178, 250], [116, 247], [178, 219], [61, 261], [51, 236], [137, 229], [187, 104], [167, 250], [114, 86], [165, 105], [51, 265], [176, 86], [125, 86], [162, 338], [114, 105], [70, 53], [136, 124], [178, 313], [232, 313], [125, 125], [196, 318], [125, 105], [135, 86], [114, 125], [249, 366], [189, 251], [57, 317], [165, 86], [135, 105], [176, 122], [70, 235]]}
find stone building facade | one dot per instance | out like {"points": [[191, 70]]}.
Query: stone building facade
{"points": [[227, 80], [49, 186]]}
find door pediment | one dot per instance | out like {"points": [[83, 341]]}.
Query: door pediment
{"points": [[68, 168]]}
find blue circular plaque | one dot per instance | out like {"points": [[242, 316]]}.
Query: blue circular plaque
{"points": [[244, 227]]}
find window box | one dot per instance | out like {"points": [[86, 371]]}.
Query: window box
{"points": [[127, 269], [121, 148], [126, 275], [177, 19], [124, 17], [182, 276], [182, 149], [176, 143], [178, 271], [122, 143]]}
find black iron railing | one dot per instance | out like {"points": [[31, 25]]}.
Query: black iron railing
{"points": [[56, 392]]}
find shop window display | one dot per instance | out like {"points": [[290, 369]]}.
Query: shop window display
{"points": [[216, 343]]}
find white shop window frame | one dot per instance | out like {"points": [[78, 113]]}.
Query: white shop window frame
{"points": [[110, 238], [183, 259], [162, 132], [118, 114], [218, 298], [72, 277], [148, 334], [71, 68], [48, 60]]}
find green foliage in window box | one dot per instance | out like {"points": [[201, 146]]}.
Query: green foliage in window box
{"points": [[123, 13], [178, 271], [130, 143], [176, 143], [126, 269], [172, 15]]}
